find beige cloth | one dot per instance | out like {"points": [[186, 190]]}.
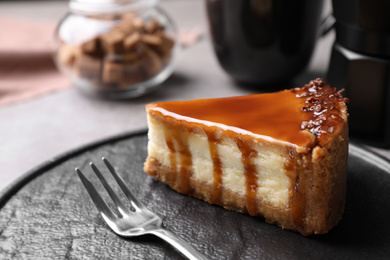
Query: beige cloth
{"points": [[27, 69]]}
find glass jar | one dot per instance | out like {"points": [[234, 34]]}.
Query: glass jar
{"points": [[117, 48]]}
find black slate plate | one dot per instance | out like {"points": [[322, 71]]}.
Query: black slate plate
{"points": [[47, 214]]}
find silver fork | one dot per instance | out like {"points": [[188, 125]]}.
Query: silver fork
{"points": [[132, 222]]}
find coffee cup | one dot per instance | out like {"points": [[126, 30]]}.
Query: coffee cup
{"points": [[265, 42]]}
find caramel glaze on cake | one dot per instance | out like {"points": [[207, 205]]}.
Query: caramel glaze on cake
{"points": [[307, 126]]}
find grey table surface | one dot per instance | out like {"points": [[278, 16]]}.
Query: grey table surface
{"points": [[37, 130]]}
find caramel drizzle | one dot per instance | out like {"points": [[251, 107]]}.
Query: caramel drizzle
{"points": [[181, 180], [172, 158], [185, 171], [247, 153], [298, 191], [217, 169]]}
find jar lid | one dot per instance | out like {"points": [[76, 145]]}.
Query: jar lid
{"points": [[109, 6]]}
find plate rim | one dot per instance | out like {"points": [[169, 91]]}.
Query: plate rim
{"points": [[16, 185]]}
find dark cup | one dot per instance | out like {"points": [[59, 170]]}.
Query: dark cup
{"points": [[264, 41]]}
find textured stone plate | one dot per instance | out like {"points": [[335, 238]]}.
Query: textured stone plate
{"points": [[47, 214]]}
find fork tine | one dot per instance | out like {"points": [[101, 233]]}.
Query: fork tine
{"points": [[122, 209], [96, 198], [133, 200]]}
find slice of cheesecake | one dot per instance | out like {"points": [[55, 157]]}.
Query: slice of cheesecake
{"points": [[282, 155]]}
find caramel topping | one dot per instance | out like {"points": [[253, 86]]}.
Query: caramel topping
{"points": [[275, 115], [279, 116]]}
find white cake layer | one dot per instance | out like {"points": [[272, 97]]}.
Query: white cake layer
{"points": [[273, 183]]}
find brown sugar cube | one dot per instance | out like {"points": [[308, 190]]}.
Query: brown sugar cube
{"points": [[152, 26], [165, 48], [166, 45], [67, 54], [138, 23], [140, 48], [159, 33], [132, 74], [112, 41], [88, 67], [128, 17], [126, 27], [151, 40], [112, 72], [131, 41], [130, 57], [151, 63], [91, 47], [167, 42]]}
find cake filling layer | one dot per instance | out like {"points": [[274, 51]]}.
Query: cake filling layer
{"points": [[256, 173]]}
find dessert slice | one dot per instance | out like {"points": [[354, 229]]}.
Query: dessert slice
{"points": [[279, 155]]}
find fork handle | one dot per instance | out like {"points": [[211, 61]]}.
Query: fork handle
{"points": [[185, 248]]}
